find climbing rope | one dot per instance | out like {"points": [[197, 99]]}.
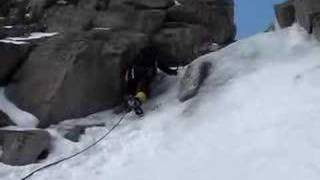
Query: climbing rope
{"points": [[78, 153]]}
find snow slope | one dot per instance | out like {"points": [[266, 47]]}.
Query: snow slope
{"points": [[256, 118]]}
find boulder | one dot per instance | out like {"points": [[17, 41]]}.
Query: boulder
{"points": [[179, 43], [23, 147], [192, 80], [11, 56], [74, 75], [305, 11], [5, 120], [143, 4], [146, 21], [215, 15], [285, 14]]}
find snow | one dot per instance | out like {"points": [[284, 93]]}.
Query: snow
{"points": [[256, 118], [24, 40], [35, 35], [13, 42], [21, 118]]}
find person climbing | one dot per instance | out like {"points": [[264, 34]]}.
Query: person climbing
{"points": [[139, 76]]}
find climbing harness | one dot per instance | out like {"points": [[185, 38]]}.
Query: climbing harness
{"points": [[78, 153]]}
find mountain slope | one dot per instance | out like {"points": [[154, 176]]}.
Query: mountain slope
{"points": [[257, 117]]}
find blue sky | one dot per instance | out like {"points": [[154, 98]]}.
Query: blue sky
{"points": [[253, 16]]}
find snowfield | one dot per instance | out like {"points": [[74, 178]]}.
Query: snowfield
{"points": [[257, 117]]}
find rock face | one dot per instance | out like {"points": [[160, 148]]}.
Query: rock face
{"points": [[215, 15], [146, 4], [11, 56], [23, 147], [5, 120], [316, 26], [306, 14], [146, 21], [74, 75], [68, 19], [180, 43], [305, 11], [192, 80], [285, 14], [82, 70]]}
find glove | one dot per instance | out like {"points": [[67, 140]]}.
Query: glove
{"points": [[135, 105]]}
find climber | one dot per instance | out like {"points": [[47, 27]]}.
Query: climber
{"points": [[139, 77]]}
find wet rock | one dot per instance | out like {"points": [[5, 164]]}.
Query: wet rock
{"points": [[192, 80], [76, 74], [23, 147], [285, 14]]}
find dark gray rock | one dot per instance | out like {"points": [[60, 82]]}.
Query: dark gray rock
{"points": [[36, 9], [316, 27], [75, 75], [68, 19], [285, 14], [143, 4], [5, 120], [4, 8], [146, 21], [215, 15], [102, 5], [179, 43], [23, 147], [305, 11], [74, 133], [192, 80], [17, 11], [11, 56]]}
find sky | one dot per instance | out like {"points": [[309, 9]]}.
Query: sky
{"points": [[253, 16]]}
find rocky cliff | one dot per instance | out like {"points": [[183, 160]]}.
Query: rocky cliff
{"points": [[80, 69]]}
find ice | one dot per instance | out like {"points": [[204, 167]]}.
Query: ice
{"points": [[256, 118]]}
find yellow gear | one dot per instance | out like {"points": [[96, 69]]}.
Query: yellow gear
{"points": [[142, 96]]}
